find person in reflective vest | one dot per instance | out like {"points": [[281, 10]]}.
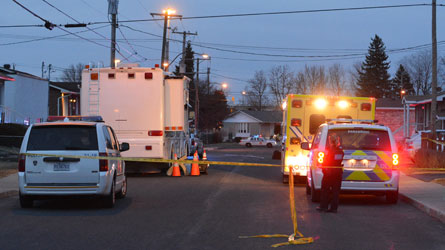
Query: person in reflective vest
{"points": [[332, 175]]}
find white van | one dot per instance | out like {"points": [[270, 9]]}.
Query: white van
{"points": [[370, 162], [43, 175]]}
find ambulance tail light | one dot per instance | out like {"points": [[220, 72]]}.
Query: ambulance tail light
{"points": [[297, 103], [295, 140], [295, 122], [395, 160], [21, 165]]}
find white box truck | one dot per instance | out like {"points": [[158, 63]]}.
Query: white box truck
{"points": [[147, 107]]}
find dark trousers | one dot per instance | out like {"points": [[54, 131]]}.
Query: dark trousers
{"points": [[330, 188]]}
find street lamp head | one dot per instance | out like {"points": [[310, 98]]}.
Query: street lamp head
{"points": [[169, 11], [244, 92], [165, 65], [116, 62], [205, 56], [402, 91], [224, 85]]}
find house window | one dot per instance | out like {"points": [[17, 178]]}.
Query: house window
{"points": [[243, 127]]}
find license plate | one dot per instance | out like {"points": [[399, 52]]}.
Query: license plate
{"points": [[361, 165], [61, 167]]}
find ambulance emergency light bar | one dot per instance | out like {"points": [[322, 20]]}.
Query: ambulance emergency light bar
{"points": [[96, 118], [343, 120]]}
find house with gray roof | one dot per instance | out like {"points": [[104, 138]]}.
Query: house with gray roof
{"points": [[245, 123], [23, 97], [422, 106]]}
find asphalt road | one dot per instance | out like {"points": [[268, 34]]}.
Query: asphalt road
{"points": [[212, 211]]}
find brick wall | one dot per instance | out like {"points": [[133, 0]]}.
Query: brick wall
{"points": [[393, 118]]}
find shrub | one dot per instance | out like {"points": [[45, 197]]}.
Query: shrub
{"points": [[11, 134], [428, 158]]}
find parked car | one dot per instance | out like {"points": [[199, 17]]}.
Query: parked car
{"points": [[42, 176], [195, 144], [257, 141], [414, 143], [370, 163]]}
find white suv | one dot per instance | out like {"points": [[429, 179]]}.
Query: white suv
{"points": [[42, 174], [370, 163]]}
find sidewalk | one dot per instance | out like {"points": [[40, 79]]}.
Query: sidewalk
{"points": [[426, 196]]}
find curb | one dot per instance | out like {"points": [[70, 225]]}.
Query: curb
{"points": [[8, 194], [440, 215]]}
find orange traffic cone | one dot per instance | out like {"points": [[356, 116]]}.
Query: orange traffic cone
{"points": [[195, 166], [204, 156], [176, 170]]}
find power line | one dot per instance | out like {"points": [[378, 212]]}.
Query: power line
{"points": [[258, 14], [281, 12]]}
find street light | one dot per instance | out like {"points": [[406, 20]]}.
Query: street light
{"points": [[205, 57], [224, 85], [116, 62]]}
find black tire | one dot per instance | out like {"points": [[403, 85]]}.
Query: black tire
{"points": [[285, 179], [123, 192], [25, 201], [315, 194], [269, 145], [248, 145], [392, 197], [308, 189], [110, 199]]}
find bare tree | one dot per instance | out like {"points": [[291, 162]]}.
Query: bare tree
{"points": [[73, 73], [281, 82], [419, 66], [337, 80], [315, 79], [256, 91]]}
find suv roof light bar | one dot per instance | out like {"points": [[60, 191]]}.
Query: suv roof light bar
{"points": [[96, 118]]}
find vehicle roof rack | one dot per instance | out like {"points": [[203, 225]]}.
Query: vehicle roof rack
{"points": [[96, 118], [356, 121]]}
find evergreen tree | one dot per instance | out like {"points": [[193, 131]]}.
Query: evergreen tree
{"points": [[402, 80], [373, 74]]}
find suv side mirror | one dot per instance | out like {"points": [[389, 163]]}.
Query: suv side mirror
{"points": [[305, 146], [124, 147]]}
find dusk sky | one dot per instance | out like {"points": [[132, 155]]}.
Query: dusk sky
{"points": [[303, 34]]}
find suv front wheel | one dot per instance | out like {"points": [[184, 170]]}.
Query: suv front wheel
{"points": [[392, 197]]}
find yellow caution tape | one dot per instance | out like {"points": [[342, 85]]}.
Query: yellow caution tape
{"points": [[436, 142], [291, 238], [154, 160]]}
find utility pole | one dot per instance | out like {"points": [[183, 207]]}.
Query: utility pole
{"points": [[197, 97], [208, 81], [184, 38], [43, 68], [434, 82], [50, 66], [112, 10], [167, 14]]}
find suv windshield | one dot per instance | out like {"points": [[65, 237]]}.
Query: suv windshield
{"points": [[64, 137], [362, 138]]}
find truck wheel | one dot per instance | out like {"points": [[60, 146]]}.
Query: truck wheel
{"points": [[123, 192], [315, 194], [285, 179], [248, 145], [392, 197], [25, 202], [110, 199], [269, 145]]}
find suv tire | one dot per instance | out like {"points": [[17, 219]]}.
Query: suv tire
{"points": [[123, 192], [110, 199], [308, 189], [392, 197], [25, 202], [285, 179], [315, 194], [269, 145], [248, 145]]}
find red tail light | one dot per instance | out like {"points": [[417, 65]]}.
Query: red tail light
{"points": [[320, 157], [395, 160], [22, 160], [103, 164], [155, 133]]}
